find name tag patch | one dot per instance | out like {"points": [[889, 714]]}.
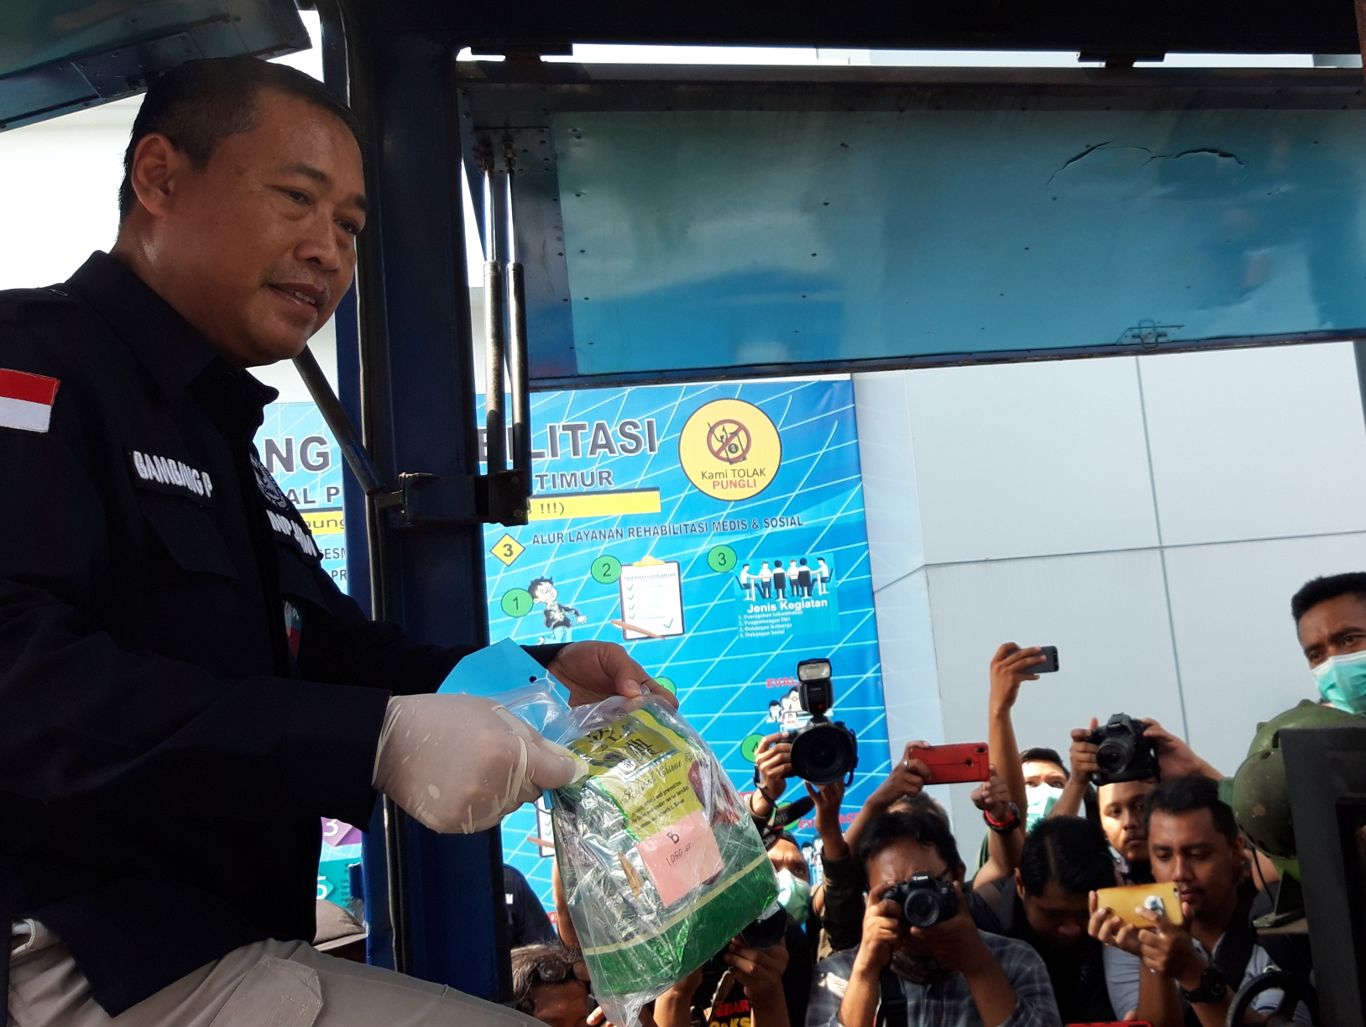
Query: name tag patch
{"points": [[294, 531], [174, 477]]}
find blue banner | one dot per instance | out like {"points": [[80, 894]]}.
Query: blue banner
{"points": [[717, 531]]}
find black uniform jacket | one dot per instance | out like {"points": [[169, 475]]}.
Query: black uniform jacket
{"points": [[167, 744]]}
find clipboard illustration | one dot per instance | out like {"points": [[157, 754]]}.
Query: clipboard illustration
{"points": [[651, 593]]}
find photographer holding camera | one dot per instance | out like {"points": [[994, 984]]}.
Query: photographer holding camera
{"points": [[764, 976], [822, 752], [921, 960], [845, 882], [1126, 757], [749, 991]]}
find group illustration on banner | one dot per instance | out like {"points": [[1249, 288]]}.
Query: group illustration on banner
{"points": [[775, 580]]}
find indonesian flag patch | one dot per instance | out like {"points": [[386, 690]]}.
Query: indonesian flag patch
{"points": [[26, 400]]}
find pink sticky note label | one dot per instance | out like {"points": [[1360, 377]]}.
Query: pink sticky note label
{"points": [[681, 857]]}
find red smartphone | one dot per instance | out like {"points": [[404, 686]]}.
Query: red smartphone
{"points": [[951, 764]]}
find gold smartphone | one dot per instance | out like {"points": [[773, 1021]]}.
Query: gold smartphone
{"points": [[1125, 900]]}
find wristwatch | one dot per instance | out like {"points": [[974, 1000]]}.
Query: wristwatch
{"points": [[1212, 987]]}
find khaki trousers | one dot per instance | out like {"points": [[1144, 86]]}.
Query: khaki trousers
{"points": [[268, 984]]}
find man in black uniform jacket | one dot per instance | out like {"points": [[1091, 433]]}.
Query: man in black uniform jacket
{"points": [[183, 691]]}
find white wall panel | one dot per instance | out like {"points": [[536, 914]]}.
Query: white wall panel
{"points": [[910, 677], [1256, 443], [1240, 661], [887, 457], [1030, 459], [1105, 612]]}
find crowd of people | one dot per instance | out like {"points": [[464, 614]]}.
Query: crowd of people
{"points": [[899, 930]]}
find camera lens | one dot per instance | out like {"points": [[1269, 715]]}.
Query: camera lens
{"points": [[1114, 754], [923, 907], [768, 930], [823, 753]]}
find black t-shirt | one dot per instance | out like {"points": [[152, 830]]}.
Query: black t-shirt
{"points": [[1077, 973], [527, 922]]}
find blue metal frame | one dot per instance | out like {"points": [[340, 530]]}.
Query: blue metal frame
{"points": [[417, 409]]}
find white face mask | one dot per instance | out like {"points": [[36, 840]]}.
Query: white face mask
{"points": [[1342, 681], [1040, 799], [794, 895]]}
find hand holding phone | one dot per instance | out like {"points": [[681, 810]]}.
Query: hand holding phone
{"points": [[1125, 900], [1011, 666], [1049, 655], [954, 763]]}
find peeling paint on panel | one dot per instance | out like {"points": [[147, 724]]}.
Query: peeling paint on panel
{"points": [[1212, 151]]}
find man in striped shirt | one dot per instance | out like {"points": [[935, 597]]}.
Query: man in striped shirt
{"points": [[947, 973]]}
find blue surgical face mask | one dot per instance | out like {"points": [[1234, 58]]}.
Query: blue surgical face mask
{"points": [[1342, 681], [1040, 798], [794, 895]]}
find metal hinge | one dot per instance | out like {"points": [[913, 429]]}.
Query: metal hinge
{"points": [[1147, 334], [428, 499]]}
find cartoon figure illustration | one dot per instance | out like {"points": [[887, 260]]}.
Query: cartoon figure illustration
{"points": [[557, 616], [779, 579], [803, 578], [765, 580], [791, 715], [822, 575], [775, 711], [747, 582]]}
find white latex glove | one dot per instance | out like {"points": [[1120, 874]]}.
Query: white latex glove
{"points": [[458, 763]]}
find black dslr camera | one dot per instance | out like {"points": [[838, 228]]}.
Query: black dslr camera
{"points": [[768, 930], [823, 751], [1122, 752], [925, 900]]}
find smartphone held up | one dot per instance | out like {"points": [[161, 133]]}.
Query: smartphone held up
{"points": [[954, 763]]}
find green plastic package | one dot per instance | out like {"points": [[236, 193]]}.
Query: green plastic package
{"points": [[660, 860]]}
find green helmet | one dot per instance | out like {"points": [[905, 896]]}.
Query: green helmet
{"points": [[1261, 795]]}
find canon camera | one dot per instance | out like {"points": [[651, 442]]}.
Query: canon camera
{"points": [[823, 751], [924, 900], [1122, 753]]}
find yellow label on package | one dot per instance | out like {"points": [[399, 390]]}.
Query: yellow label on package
{"points": [[647, 769]]}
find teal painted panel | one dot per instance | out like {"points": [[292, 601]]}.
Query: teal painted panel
{"points": [[57, 56], [758, 238]]}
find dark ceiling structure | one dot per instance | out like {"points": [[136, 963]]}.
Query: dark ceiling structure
{"points": [[63, 55]]}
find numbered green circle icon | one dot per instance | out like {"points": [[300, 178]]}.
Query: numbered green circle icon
{"points": [[517, 602], [749, 747], [606, 569], [667, 684], [721, 559]]}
